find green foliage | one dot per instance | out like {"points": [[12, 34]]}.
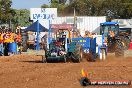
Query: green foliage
{"points": [[5, 10], [109, 8], [44, 6], [16, 17], [22, 17], [56, 4]]}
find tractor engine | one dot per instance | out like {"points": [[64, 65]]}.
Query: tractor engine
{"points": [[56, 52]]}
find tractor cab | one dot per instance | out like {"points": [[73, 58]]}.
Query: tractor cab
{"points": [[109, 29], [115, 42]]}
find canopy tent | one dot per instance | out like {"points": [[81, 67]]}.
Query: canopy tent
{"points": [[56, 27], [36, 27], [62, 26], [33, 27]]}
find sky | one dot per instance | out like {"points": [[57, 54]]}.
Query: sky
{"points": [[27, 4]]}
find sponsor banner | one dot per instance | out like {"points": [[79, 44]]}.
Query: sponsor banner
{"points": [[43, 13]]}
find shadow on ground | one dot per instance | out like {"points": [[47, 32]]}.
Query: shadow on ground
{"points": [[40, 61], [35, 61]]}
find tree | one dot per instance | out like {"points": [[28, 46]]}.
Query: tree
{"points": [[126, 9], [56, 4], [44, 6], [62, 1], [22, 17], [109, 8], [5, 10]]}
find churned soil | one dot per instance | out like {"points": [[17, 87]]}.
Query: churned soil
{"points": [[28, 71]]}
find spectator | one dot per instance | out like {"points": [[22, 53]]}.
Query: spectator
{"points": [[44, 41]]}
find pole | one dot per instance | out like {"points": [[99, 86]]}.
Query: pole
{"points": [[74, 28], [49, 35], [37, 46], [74, 17]]}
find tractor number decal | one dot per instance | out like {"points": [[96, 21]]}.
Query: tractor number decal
{"points": [[82, 41]]}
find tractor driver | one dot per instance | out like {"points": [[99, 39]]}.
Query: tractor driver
{"points": [[111, 33]]}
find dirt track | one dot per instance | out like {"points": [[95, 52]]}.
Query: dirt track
{"points": [[24, 71]]}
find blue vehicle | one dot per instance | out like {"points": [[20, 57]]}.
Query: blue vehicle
{"points": [[70, 49], [112, 35]]}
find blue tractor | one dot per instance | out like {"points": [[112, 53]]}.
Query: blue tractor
{"points": [[116, 41], [63, 49]]}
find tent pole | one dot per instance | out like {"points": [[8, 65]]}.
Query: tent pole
{"points": [[37, 46], [49, 35]]}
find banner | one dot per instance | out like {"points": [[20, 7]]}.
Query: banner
{"points": [[43, 13]]}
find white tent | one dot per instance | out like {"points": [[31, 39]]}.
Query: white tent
{"points": [[124, 23]]}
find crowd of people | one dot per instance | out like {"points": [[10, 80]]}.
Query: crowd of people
{"points": [[8, 37]]}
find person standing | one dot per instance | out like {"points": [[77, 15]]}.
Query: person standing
{"points": [[44, 41], [1, 44]]}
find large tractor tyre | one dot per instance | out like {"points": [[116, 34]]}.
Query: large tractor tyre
{"points": [[119, 49], [77, 55], [126, 42], [81, 55], [75, 58], [90, 57]]}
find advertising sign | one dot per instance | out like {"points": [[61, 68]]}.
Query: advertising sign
{"points": [[43, 13]]}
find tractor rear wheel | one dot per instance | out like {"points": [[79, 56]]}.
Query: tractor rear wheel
{"points": [[119, 49], [77, 55], [126, 42]]}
